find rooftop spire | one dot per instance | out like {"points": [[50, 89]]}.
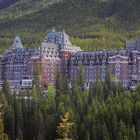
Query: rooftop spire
{"points": [[17, 42], [53, 30]]}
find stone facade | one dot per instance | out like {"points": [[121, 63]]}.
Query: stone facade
{"points": [[18, 63], [56, 53], [124, 64], [50, 62]]}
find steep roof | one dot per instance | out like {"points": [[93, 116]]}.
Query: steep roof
{"points": [[17, 43]]}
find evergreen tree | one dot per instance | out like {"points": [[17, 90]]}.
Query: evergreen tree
{"points": [[82, 132], [114, 127], [3, 100], [98, 89], [64, 126], [9, 122], [6, 90], [105, 132], [18, 118], [35, 93], [133, 133], [38, 77], [59, 83], [81, 77], [138, 88], [51, 92], [3, 136]]}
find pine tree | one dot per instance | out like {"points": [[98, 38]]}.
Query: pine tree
{"points": [[82, 132], [35, 93], [98, 89], [114, 127], [108, 83], [51, 92], [93, 132], [59, 83], [122, 130], [3, 136], [9, 122], [18, 118], [105, 132], [133, 133], [64, 126], [138, 88], [125, 138], [6, 90], [3, 100], [38, 77], [81, 77]]}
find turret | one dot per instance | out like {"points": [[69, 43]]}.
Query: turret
{"points": [[17, 43]]}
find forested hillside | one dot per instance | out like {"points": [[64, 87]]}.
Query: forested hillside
{"points": [[6, 3], [92, 24]]}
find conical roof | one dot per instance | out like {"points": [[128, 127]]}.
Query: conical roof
{"points": [[17, 42]]}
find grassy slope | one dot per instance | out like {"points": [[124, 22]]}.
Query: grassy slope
{"points": [[93, 24]]}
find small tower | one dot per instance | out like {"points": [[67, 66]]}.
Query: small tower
{"points": [[66, 42], [17, 42], [53, 30]]}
